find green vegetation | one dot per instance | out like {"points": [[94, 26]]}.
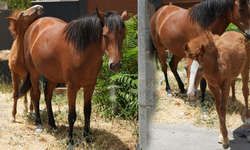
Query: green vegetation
{"points": [[117, 94], [18, 4]]}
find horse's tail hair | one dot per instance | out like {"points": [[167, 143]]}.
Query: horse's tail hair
{"points": [[24, 88], [153, 54]]}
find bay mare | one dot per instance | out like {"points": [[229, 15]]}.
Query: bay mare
{"points": [[219, 60], [72, 54]]}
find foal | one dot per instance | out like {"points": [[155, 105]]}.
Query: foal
{"points": [[219, 60], [19, 23]]}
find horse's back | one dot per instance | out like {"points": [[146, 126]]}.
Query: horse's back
{"points": [[236, 42], [170, 27], [234, 50]]}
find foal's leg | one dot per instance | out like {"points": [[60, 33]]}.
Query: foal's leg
{"points": [[245, 89], [223, 111], [35, 93], [72, 92], [88, 92], [220, 111], [173, 65], [15, 80], [25, 102], [162, 58], [233, 90], [48, 93]]}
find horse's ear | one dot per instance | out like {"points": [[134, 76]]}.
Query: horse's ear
{"points": [[10, 19], [202, 50], [124, 14], [100, 15], [210, 37], [186, 48]]}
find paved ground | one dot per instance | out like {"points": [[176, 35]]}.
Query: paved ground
{"points": [[187, 137]]}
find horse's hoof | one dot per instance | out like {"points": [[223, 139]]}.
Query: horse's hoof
{"points": [[70, 147], [39, 129], [12, 120], [170, 95], [247, 123], [226, 146]]}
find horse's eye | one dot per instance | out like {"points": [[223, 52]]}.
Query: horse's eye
{"points": [[201, 69], [240, 10], [21, 14], [185, 68], [105, 36]]}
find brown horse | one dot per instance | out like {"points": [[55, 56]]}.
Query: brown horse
{"points": [[171, 27], [219, 60], [19, 23], [72, 54]]}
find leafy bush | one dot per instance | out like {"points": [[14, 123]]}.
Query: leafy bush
{"points": [[232, 27], [18, 4], [117, 94]]}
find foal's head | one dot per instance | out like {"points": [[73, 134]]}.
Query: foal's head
{"points": [[112, 37], [241, 16], [24, 18], [195, 49]]}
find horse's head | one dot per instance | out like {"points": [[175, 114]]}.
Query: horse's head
{"points": [[241, 16], [194, 50], [26, 17], [112, 37]]}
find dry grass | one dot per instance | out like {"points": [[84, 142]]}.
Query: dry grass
{"points": [[178, 110], [106, 134]]}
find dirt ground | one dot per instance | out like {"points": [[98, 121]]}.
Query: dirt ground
{"points": [[180, 110], [106, 134]]}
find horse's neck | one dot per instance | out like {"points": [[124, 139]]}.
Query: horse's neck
{"points": [[220, 25], [20, 45], [210, 58]]}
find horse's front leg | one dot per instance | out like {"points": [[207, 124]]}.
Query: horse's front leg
{"points": [[88, 92], [48, 93], [222, 113], [173, 65], [72, 92], [220, 107]]}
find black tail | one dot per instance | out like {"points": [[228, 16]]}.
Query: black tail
{"points": [[24, 88], [154, 53]]}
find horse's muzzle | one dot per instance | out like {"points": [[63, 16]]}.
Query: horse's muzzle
{"points": [[115, 67]]}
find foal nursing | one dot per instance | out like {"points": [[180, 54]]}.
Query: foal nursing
{"points": [[219, 60]]}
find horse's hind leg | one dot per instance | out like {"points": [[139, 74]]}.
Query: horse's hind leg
{"points": [[245, 89], [25, 101], [173, 65], [48, 93], [15, 80], [233, 90], [162, 58]]}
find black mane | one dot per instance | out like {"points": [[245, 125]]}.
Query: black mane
{"points": [[206, 12], [87, 30]]}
